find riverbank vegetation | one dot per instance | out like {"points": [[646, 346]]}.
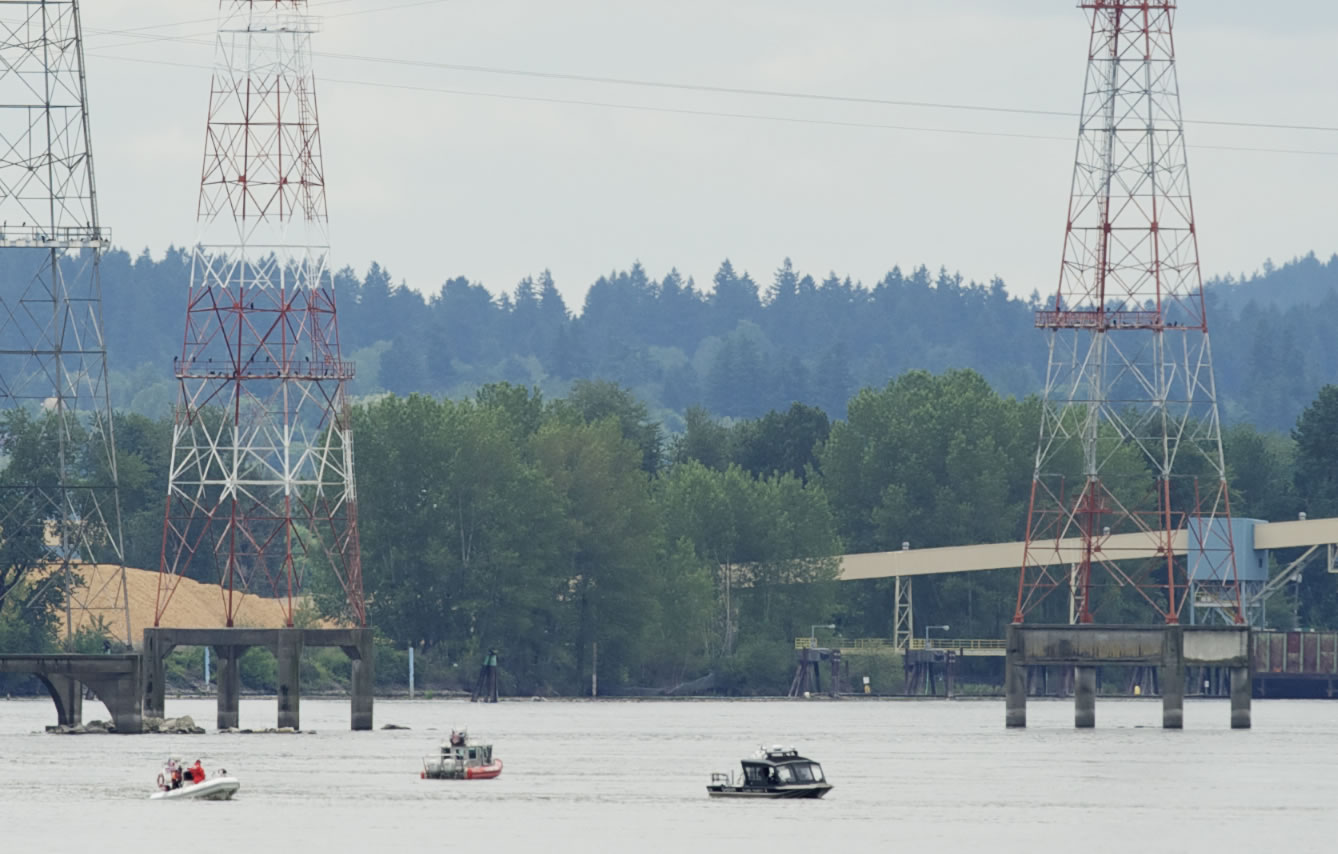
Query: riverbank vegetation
{"points": [[568, 531]]}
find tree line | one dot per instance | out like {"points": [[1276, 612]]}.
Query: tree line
{"points": [[558, 529], [736, 346]]}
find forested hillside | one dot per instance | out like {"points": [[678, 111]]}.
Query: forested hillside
{"points": [[736, 440], [736, 346]]}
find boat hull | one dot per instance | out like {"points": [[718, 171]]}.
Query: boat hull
{"points": [[450, 771], [216, 789], [484, 772], [807, 792]]}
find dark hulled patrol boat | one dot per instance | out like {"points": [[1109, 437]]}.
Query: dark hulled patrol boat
{"points": [[773, 772]]}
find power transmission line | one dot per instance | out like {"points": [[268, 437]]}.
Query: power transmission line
{"points": [[727, 114], [200, 38], [703, 88], [776, 93], [137, 30]]}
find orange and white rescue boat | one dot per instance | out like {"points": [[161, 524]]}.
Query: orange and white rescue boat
{"points": [[461, 759]]}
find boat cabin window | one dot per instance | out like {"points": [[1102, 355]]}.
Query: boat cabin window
{"points": [[807, 772], [472, 753], [756, 774], [784, 774]]}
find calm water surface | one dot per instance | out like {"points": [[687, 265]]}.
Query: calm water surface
{"points": [[924, 776]]}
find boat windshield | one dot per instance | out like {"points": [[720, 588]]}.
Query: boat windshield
{"points": [[807, 772], [784, 774]]}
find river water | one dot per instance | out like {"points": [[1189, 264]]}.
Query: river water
{"points": [[923, 776]]}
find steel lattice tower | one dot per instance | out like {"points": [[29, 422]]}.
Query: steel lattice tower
{"points": [[59, 506], [1129, 467], [261, 484]]}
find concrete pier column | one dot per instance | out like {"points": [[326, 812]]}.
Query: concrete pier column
{"points": [[1173, 678], [229, 677], [123, 697], [68, 693], [154, 675], [1015, 681], [360, 686], [289, 654], [1240, 697], [1084, 697]]}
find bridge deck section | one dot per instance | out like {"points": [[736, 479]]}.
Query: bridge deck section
{"points": [[114, 679], [985, 557]]}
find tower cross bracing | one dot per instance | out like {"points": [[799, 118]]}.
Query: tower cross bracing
{"points": [[262, 490], [1130, 436], [59, 498]]}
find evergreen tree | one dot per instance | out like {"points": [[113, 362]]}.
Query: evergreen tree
{"points": [[734, 300], [1316, 437], [834, 381]]}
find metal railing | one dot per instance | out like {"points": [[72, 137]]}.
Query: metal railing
{"points": [[253, 368], [966, 646], [960, 644], [63, 236], [1099, 319]]}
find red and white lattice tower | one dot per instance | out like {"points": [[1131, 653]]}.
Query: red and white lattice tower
{"points": [[261, 487], [59, 508], [1129, 500]]}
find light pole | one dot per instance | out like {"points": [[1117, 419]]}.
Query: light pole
{"points": [[813, 634], [938, 628]]}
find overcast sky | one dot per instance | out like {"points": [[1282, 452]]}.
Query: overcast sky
{"points": [[436, 172]]}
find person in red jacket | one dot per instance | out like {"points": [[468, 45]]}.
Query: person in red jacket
{"points": [[196, 772]]}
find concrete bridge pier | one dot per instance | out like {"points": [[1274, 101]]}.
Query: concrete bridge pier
{"points": [[286, 644], [1084, 697], [1015, 682], [1084, 647], [120, 694], [155, 680], [1228, 648], [1173, 679], [68, 695], [362, 681], [289, 655], [1240, 697], [229, 685]]}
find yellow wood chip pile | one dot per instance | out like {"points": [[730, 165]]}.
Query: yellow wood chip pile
{"points": [[193, 605]]}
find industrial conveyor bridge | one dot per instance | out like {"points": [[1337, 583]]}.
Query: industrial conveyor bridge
{"points": [[906, 563]]}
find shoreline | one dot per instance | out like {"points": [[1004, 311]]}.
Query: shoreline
{"points": [[696, 698]]}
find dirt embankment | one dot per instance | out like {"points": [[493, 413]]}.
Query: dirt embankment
{"points": [[192, 604]]}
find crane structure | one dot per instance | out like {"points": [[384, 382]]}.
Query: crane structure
{"points": [[59, 499], [261, 495], [1129, 462]]}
